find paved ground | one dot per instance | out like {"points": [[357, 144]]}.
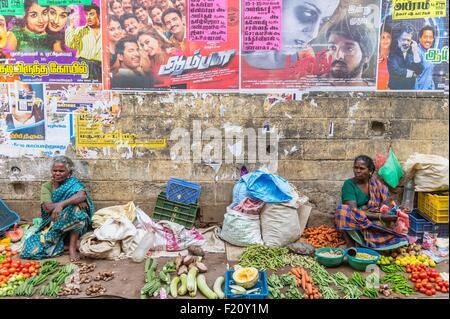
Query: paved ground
{"points": [[129, 276]]}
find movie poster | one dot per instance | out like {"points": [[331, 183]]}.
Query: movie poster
{"points": [[157, 45], [309, 45], [50, 41], [413, 51]]}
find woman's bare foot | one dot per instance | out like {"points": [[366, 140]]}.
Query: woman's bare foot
{"points": [[73, 247], [73, 254]]}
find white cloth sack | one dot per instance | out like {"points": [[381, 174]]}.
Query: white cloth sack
{"points": [[280, 224], [114, 212], [430, 172], [116, 229], [241, 229], [168, 236]]}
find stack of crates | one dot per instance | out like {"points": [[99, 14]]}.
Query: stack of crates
{"points": [[179, 203], [431, 215], [434, 207]]}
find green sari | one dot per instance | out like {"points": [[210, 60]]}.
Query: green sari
{"points": [[48, 240]]}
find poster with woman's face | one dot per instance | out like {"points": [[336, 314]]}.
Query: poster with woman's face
{"points": [[309, 45], [158, 45], [51, 41], [413, 50]]}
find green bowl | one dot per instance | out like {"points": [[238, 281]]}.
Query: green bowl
{"points": [[360, 264], [329, 261]]}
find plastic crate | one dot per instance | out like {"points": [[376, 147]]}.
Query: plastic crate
{"points": [[7, 217], [434, 206], [418, 225], [182, 192], [261, 284], [175, 212]]}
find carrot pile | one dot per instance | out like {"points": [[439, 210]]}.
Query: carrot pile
{"points": [[303, 280], [323, 236]]}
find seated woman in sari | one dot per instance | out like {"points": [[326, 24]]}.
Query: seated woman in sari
{"points": [[66, 210], [359, 214]]}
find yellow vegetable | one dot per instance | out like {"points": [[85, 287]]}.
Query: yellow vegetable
{"points": [[246, 277]]}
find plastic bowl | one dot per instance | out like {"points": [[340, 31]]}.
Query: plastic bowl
{"points": [[360, 264], [329, 261]]}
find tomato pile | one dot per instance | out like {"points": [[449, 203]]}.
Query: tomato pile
{"points": [[10, 267], [427, 280]]}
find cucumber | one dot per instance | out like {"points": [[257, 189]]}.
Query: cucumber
{"points": [[183, 288], [204, 289], [174, 286], [217, 287]]}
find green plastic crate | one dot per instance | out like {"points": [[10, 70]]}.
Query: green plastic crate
{"points": [[175, 212]]}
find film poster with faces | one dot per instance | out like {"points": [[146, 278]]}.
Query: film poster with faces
{"points": [[304, 44], [157, 45], [413, 50], [44, 41]]}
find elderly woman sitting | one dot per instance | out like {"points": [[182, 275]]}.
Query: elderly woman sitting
{"points": [[66, 210], [359, 214]]}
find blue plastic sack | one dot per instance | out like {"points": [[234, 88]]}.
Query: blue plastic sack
{"points": [[267, 187], [239, 192]]}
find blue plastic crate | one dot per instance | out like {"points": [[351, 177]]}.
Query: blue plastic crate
{"points": [[7, 217], [417, 223], [183, 192], [262, 284]]}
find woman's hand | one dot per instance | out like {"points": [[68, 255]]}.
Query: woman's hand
{"points": [[57, 211], [83, 206], [48, 207]]}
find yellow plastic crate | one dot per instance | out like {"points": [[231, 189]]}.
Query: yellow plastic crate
{"points": [[434, 206]]}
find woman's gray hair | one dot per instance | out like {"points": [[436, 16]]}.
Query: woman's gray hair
{"points": [[64, 160]]}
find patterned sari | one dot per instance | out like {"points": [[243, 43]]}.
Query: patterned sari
{"points": [[355, 221], [48, 240]]}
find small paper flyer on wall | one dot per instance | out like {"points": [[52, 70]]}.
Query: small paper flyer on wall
{"points": [[413, 51], [50, 41], [159, 45], [25, 119], [308, 45]]}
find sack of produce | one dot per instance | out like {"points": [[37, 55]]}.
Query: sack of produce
{"points": [[430, 172], [280, 224], [241, 229]]}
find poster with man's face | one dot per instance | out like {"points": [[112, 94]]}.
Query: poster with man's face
{"points": [[157, 45], [51, 41], [309, 45], [413, 50]]}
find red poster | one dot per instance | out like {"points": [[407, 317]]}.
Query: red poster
{"points": [[159, 45]]}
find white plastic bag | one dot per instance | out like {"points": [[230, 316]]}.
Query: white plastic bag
{"points": [[241, 229], [430, 172], [280, 224]]}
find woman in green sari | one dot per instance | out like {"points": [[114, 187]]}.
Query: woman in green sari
{"points": [[66, 209], [32, 36]]}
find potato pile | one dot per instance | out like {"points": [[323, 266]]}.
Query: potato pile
{"points": [[411, 250]]}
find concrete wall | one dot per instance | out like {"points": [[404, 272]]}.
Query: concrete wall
{"points": [[310, 156]]}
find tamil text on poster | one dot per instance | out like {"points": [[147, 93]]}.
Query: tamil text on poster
{"points": [[413, 51], [308, 45]]}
